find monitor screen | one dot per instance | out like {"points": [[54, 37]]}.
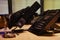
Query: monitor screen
{"points": [[4, 7]]}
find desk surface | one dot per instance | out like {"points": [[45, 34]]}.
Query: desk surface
{"points": [[29, 36]]}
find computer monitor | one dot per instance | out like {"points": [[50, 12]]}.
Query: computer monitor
{"points": [[4, 7]]}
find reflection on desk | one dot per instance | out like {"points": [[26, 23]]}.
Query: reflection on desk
{"points": [[29, 36]]}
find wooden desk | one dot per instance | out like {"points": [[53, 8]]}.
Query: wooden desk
{"points": [[29, 36]]}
